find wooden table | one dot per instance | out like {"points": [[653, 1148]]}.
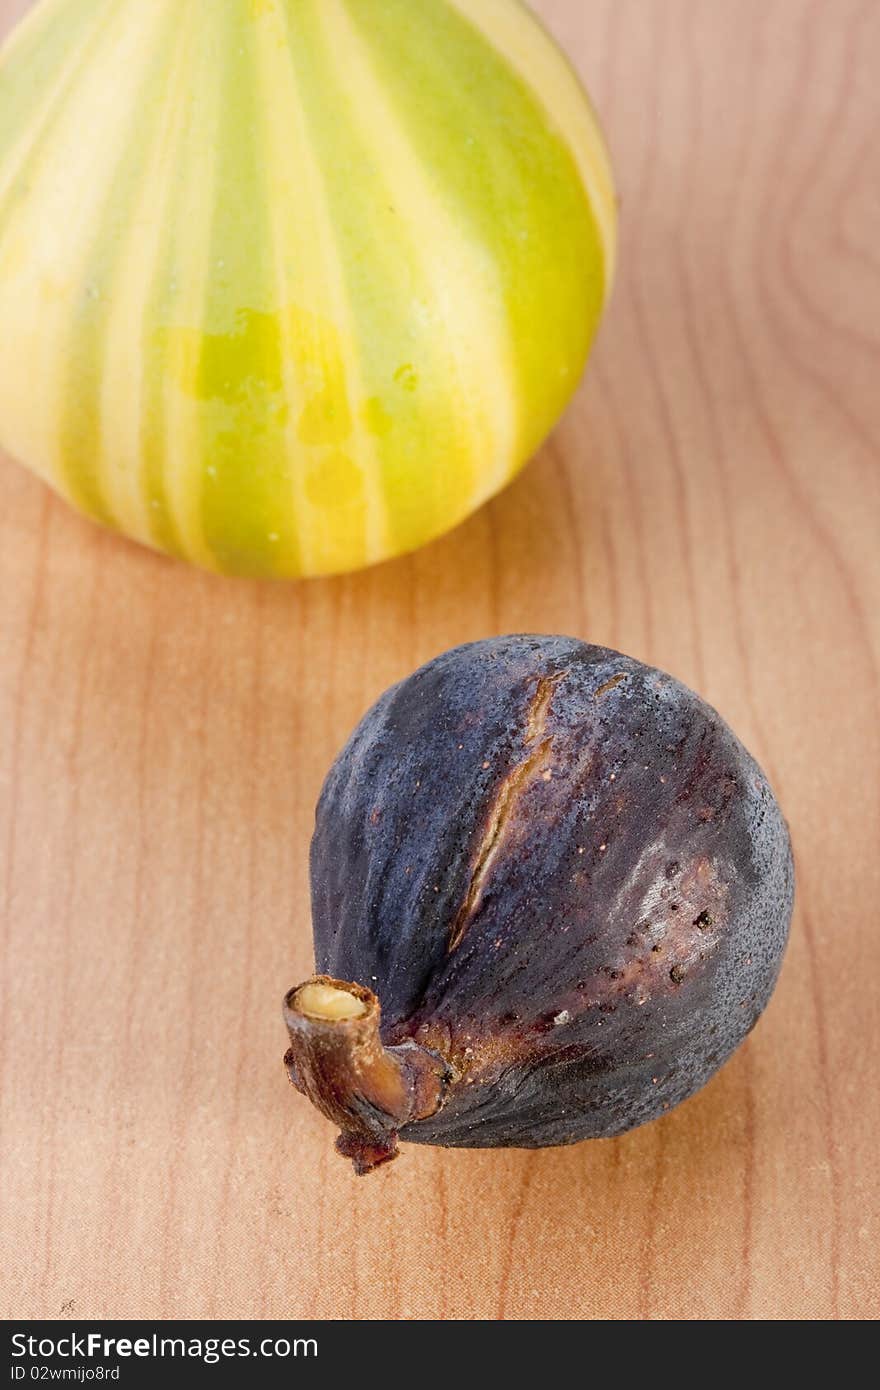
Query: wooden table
{"points": [[711, 505]]}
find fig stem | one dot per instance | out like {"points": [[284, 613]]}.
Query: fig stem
{"points": [[337, 1059]]}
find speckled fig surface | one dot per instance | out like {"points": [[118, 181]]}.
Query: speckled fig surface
{"points": [[554, 890]]}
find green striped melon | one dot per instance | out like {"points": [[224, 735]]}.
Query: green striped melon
{"points": [[291, 286]]}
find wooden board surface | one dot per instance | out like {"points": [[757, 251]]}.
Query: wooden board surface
{"points": [[711, 504]]}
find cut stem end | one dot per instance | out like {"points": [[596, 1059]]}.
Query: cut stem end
{"points": [[328, 1003]]}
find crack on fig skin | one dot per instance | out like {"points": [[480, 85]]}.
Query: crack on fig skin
{"points": [[609, 685], [536, 717], [508, 794], [505, 801]]}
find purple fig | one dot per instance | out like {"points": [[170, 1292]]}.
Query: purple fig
{"points": [[551, 893]]}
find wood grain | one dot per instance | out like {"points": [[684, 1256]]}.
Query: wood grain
{"points": [[711, 505]]}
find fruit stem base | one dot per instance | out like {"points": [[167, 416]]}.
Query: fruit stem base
{"points": [[337, 1058]]}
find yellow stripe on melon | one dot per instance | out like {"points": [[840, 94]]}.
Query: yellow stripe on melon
{"points": [[522, 40]]}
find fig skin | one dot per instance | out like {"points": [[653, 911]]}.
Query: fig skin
{"points": [[565, 881]]}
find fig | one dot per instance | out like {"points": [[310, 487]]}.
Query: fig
{"points": [[288, 287], [551, 892]]}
